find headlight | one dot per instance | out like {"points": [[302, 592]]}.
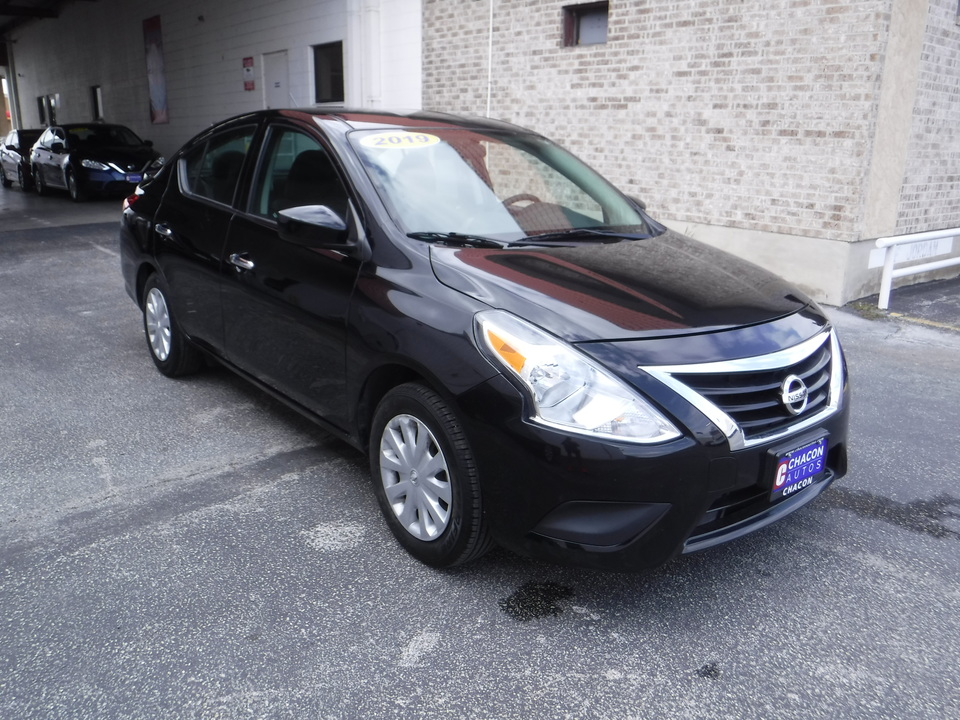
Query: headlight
{"points": [[94, 165], [567, 389]]}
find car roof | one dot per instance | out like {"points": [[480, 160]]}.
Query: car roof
{"points": [[73, 126], [356, 119]]}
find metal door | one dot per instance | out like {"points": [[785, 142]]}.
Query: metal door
{"points": [[276, 80]]}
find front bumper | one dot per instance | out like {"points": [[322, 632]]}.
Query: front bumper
{"points": [[108, 182], [626, 507]]}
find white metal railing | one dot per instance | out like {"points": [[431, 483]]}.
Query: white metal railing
{"points": [[890, 245]]}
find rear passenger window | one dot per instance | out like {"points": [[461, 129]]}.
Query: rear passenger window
{"points": [[212, 170], [296, 171]]}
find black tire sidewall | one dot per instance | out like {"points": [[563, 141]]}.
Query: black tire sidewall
{"points": [[464, 537], [183, 357], [73, 187], [38, 183]]}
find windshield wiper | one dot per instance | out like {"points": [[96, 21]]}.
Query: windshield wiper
{"points": [[455, 238], [582, 234]]}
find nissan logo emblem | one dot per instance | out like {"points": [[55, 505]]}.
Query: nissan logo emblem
{"points": [[793, 394]]}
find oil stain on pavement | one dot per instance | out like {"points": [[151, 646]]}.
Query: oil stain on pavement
{"points": [[533, 601], [939, 517]]}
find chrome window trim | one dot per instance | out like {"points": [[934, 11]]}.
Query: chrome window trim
{"points": [[773, 361]]}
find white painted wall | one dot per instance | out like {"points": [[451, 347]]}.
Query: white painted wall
{"points": [[204, 46]]}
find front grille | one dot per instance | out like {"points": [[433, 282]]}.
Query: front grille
{"points": [[746, 397], [752, 399]]}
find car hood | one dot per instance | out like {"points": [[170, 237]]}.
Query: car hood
{"points": [[130, 159], [662, 286]]}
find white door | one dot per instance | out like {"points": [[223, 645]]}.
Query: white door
{"points": [[276, 80]]}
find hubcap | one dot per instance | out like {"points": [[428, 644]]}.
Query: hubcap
{"points": [[157, 320], [415, 477]]}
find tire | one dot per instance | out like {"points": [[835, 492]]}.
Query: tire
{"points": [[4, 180], [172, 353], [22, 180], [425, 478], [76, 192], [38, 184]]}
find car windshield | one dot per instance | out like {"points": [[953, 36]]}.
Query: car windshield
{"points": [[508, 186], [96, 136]]}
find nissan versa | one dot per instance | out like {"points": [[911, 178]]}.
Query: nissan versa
{"points": [[527, 357]]}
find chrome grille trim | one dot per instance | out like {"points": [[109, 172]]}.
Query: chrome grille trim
{"points": [[780, 360]]}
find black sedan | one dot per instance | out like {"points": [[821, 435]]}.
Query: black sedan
{"points": [[15, 158], [91, 159], [526, 356]]}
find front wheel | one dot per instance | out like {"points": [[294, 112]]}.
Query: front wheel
{"points": [[425, 478], [172, 353], [39, 185], [23, 180], [4, 180], [73, 185]]}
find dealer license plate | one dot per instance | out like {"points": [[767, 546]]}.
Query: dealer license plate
{"points": [[134, 178], [798, 469]]}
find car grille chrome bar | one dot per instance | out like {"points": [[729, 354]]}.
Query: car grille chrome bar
{"points": [[743, 396]]}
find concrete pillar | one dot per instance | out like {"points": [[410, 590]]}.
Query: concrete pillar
{"points": [[363, 68], [898, 91]]}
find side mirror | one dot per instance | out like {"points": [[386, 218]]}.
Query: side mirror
{"points": [[57, 148], [148, 143], [315, 226], [638, 202]]}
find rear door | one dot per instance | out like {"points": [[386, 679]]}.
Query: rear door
{"points": [[191, 229], [285, 306], [46, 161]]}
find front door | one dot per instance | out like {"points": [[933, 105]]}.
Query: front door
{"points": [[285, 306]]}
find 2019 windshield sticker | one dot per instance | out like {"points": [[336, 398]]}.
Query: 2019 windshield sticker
{"points": [[399, 140]]}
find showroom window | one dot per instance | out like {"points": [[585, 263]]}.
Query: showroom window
{"points": [[585, 24], [328, 73], [47, 108]]}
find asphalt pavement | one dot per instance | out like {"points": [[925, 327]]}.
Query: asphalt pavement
{"points": [[193, 549]]}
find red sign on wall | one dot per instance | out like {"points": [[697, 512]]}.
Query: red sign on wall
{"points": [[248, 82]]}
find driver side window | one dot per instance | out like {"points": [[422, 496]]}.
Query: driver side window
{"points": [[295, 171]]}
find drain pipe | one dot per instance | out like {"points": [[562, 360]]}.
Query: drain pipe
{"points": [[490, 61]]}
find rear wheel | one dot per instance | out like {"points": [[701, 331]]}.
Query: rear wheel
{"points": [[23, 180], [4, 180], [172, 353], [426, 479]]}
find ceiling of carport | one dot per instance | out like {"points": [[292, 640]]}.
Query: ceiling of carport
{"points": [[14, 13]]}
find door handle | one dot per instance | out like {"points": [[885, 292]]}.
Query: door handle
{"points": [[241, 262], [161, 229]]}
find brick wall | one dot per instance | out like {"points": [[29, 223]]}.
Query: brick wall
{"points": [[756, 114], [930, 197]]}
